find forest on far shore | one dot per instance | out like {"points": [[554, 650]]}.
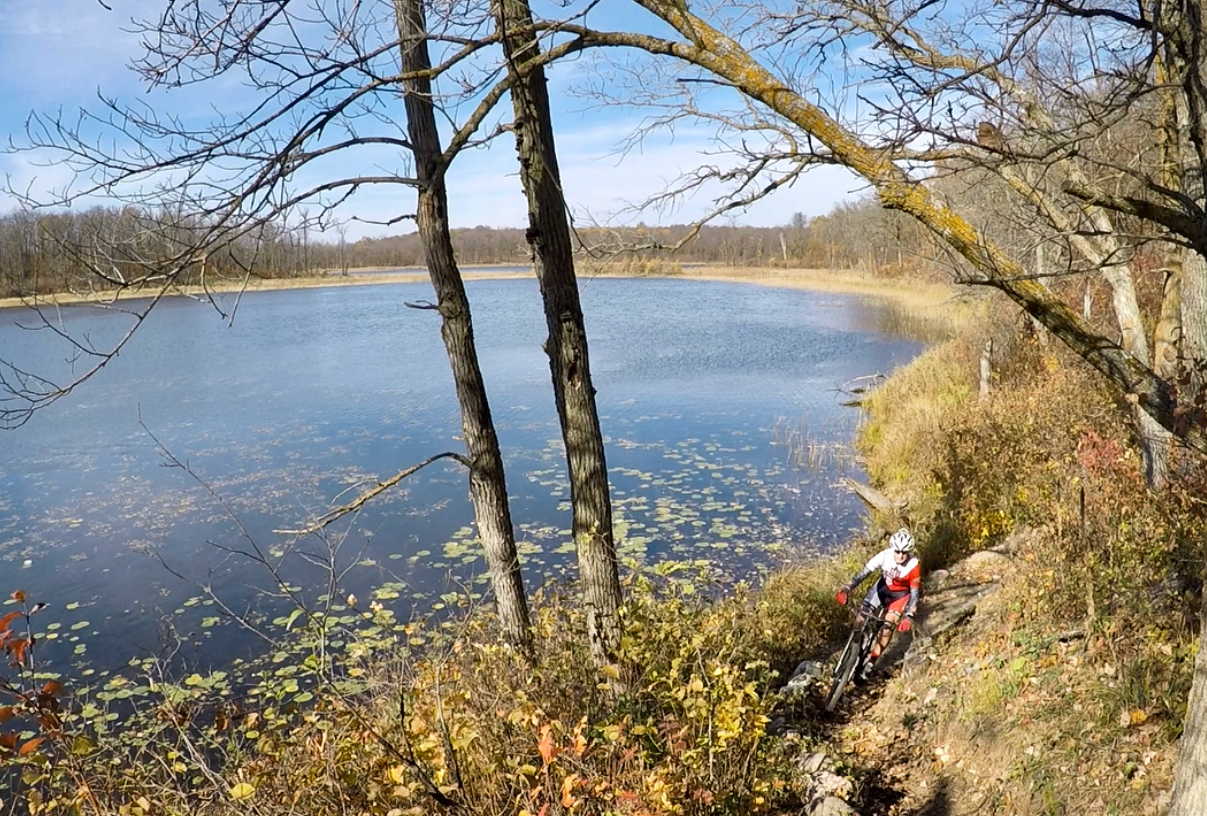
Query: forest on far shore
{"points": [[45, 253]]}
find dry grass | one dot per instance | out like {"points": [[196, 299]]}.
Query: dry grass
{"points": [[907, 417], [1023, 716]]}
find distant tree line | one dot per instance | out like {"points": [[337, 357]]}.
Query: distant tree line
{"points": [[103, 249], [40, 252]]}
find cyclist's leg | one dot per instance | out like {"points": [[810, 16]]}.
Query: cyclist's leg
{"points": [[870, 603], [892, 616]]}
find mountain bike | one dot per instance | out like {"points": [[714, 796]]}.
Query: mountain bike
{"points": [[855, 654]]}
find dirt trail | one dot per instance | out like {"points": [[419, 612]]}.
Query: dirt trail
{"points": [[891, 774], [892, 758]]}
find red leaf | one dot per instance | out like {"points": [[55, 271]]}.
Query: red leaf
{"points": [[30, 746], [7, 618], [53, 687], [8, 741], [17, 650], [7, 713], [19, 595]]}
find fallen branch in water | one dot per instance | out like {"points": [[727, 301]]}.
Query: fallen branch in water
{"points": [[874, 499], [356, 504]]}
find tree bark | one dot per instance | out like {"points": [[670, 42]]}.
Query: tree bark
{"points": [[1168, 333], [1105, 253], [1186, 44], [552, 257], [892, 509], [487, 483], [1194, 315], [1189, 797]]}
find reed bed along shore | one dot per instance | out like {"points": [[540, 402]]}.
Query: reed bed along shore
{"points": [[918, 294]]}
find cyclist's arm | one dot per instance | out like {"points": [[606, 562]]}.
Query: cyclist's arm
{"points": [[874, 564], [915, 590]]}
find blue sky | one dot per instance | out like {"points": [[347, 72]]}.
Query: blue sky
{"points": [[56, 54]]}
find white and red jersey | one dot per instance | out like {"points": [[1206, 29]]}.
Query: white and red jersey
{"points": [[898, 576]]}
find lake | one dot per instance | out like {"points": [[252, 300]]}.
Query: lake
{"points": [[719, 402]]}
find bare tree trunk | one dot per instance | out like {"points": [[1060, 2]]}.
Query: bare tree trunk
{"points": [[1189, 797], [1104, 252], [1041, 264], [1194, 315], [553, 260], [1188, 40], [1168, 334], [1153, 441], [488, 488]]}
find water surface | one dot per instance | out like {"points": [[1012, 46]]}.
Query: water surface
{"points": [[706, 391]]}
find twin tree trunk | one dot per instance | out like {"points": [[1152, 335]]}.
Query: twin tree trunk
{"points": [[550, 240], [552, 256], [488, 488]]}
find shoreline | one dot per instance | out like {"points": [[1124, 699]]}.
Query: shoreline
{"points": [[918, 293]]}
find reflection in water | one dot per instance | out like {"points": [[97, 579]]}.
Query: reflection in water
{"points": [[315, 392]]}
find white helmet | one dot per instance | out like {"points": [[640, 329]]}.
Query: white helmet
{"points": [[902, 541]]}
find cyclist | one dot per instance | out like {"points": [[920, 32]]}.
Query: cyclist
{"points": [[898, 589]]}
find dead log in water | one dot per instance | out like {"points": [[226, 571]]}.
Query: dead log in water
{"points": [[873, 499]]}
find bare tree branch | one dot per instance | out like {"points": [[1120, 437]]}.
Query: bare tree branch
{"points": [[380, 488]]}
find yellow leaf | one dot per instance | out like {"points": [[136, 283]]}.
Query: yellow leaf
{"points": [[243, 790], [143, 803], [610, 671], [568, 786], [545, 745]]}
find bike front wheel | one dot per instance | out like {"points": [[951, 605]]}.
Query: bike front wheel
{"points": [[844, 670]]}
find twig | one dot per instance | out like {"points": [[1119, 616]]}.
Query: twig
{"points": [[332, 516]]}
